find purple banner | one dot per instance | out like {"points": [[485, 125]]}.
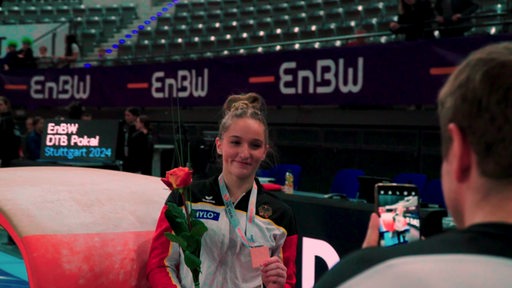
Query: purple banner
{"points": [[401, 73]]}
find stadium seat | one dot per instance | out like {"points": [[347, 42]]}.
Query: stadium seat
{"points": [[164, 20], [31, 13], [146, 34], [247, 12], [264, 10], [159, 48], [196, 29], [213, 4], [309, 32], [110, 25], [313, 5], [198, 17], [89, 39], [298, 20], [281, 8], [176, 47], [230, 27], [246, 26], [112, 10], [129, 12], [346, 182], [224, 42], [316, 17], [228, 4], [208, 44], [297, 7], [142, 49], [14, 13], [330, 4], [264, 24], [214, 15], [181, 18], [334, 15], [94, 23], [327, 30], [353, 14], [281, 21], [180, 31], [96, 11], [213, 29], [79, 11], [230, 14], [47, 12]]}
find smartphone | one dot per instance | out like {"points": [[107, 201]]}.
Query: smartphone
{"points": [[399, 210]]}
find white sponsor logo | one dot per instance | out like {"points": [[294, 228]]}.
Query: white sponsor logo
{"points": [[65, 87], [186, 84], [323, 80]]}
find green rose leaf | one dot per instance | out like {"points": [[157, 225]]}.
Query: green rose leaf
{"points": [[192, 261], [193, 242], [176, 239], [176, 218], [198, 228]]}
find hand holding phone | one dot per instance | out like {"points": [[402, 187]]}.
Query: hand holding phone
{"points": [[399, 211]]}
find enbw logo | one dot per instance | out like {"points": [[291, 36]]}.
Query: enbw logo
{"points": [[207, 214]]}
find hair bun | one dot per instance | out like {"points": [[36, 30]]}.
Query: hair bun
{"points": [[244, 102]]}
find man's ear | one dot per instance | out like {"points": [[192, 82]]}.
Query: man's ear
{"points": [[460, 153], [218, 145]]}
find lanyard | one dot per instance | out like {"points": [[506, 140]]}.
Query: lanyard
{"points": [[231, 214]]}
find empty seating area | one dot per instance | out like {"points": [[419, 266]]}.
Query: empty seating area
{"points": [[212, 28], [92, 24]]}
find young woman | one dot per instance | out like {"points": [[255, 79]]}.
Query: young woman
{"points": [[226, 260]]}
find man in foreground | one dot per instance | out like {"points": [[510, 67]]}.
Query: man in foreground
{"points": [[476, 122]]}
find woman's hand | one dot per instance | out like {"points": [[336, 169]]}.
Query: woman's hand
{"points": [[273, 273]]}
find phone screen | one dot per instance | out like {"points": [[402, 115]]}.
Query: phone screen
{"points": [[399, 211]]}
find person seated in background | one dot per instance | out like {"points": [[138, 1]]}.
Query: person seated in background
{"points": [[26, 54], [44, 61], [415, 18], [453, 16], [474, 115], [11, 61], [140, 148], [103, 59], [359, 40], [33, 140]]}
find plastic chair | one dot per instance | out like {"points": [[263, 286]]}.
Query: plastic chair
{"points": [[418, 179], [346, 182], [433, 193], [280, 170]]}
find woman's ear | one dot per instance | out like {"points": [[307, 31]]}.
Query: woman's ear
{"points": [[218, 145]]}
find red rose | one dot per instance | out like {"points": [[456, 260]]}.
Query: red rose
{"points": [[178, 178]]}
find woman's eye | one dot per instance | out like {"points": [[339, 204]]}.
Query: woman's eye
{"points": [[235, 142], [256, 145]]}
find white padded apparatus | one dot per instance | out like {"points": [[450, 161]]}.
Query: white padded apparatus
{"points": [[440, 270]]}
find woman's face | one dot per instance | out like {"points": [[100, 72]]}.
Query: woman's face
{"points": [[129, 117], [242, 148], [138, 124]]}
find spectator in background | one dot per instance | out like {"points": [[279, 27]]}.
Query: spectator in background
{"points": [[359, 40], [140, 148], [44, 61], [126, 130], [72, 52], [103, 59], [415, 19], [26, 54], [29, 127], [87, 116], [453, 16], [10, 143], [75, 110], [11, 61], [33, 140]]}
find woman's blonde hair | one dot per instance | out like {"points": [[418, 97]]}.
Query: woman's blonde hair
{"points": [[250, 105]]}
